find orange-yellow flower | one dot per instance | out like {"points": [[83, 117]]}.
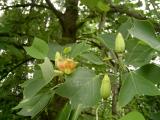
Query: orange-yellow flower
{"points": [[65, 65]]}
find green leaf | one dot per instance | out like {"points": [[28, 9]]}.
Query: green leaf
{"points": [[93, 58], [144, 31], [32, 106], [78, 49], [67, 50], [133, 116], [65, 113], [103, 6], [16, 52], [108, 40], [31, 87], [124, 28], [90, 3], [82, 87], [150, 72], [53, 48], [47, 70], [39, 49], [155, 116], [136, 52], [41, 78], [77, 112], [98, 5], [135, 84]]}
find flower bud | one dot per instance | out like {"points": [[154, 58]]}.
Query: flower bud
{"points": [[105, 89], [119, 43]]}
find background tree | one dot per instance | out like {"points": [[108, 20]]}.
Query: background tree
{"points": [[84, 33]]}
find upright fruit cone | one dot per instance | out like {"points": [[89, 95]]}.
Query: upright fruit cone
{"points": [[119, 43], [105, 90]]}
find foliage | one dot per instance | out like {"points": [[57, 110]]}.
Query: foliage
{"points": [[33, 85]]}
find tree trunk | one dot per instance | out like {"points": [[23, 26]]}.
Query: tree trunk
{"points": [[69, 19], [68, 22]]}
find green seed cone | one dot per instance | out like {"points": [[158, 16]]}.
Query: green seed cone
{"points": [[105, 90], [119, 43]]}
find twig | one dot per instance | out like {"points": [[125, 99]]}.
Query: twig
{"points": [[15, 67], [122, 9], [25, 5], [52, 7]]}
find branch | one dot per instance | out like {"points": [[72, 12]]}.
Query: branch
{"points": [[8, 34], [56, 12], [50, 7], [122, 9], [155, 9], [15, 67], [114, 98], [89, 17], [25, 5], [5, 34]]}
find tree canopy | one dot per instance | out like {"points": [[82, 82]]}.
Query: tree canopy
{"points": [[79, 59]]}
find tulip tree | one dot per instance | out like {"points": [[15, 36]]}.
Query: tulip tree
{"points": [[55, 56]]}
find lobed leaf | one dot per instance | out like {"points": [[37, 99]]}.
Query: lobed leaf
{"points": [[39, 49], [135, 84], [82, 87], [134, 115], [144, 31]]}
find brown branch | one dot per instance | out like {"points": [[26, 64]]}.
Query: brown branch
{"points": [[56, 12], [69, 22], [8, 34], [25, 5], [122, 9], [50, 7], [14, 67], [114, 98], [5, 34], [89, 17]]}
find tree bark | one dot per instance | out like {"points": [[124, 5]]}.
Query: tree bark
{"points": [[114, 98], [69, 20]]}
